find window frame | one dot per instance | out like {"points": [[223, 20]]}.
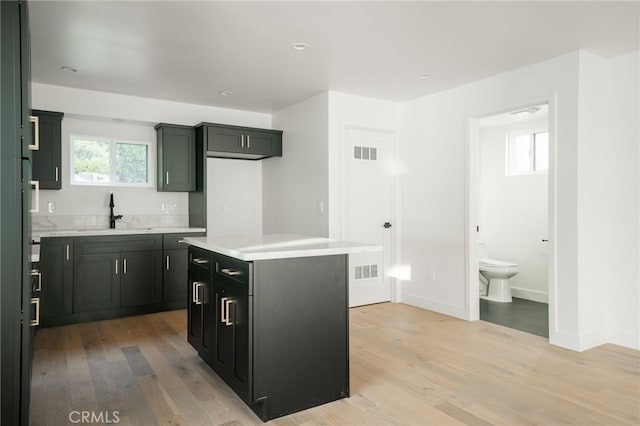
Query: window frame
{"points": [[509, 157], [113, 143]]}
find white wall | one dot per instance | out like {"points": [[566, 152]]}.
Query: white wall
{"points": [[127, 117], [234, 197], [434, 203], [512, 212], [295, 185], [622, 204]]}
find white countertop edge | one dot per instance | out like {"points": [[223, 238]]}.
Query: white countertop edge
{"points": [[340, 247], [100, 232]]}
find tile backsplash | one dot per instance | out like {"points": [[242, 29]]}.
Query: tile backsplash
{"points": [[89, 222]]}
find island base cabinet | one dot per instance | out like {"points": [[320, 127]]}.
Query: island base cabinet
{"points": [[300, 334]]}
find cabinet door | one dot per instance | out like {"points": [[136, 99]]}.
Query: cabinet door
{"points": [[238, 311], [56, 278], [200, 315], [263, 143], [140, 280], [96, 282], [176, 158], [47, 160], [225, 139], [175, 275]]}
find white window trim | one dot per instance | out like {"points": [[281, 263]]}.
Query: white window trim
{"points": [[113, 142], [510, 138]]}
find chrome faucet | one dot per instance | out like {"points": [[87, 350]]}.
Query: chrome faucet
{"points": [[113, 218]]}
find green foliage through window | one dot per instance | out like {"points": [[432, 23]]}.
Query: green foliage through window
{"points": [[102, 161]]}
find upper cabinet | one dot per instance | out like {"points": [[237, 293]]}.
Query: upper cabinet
{"points": [[247, 143], [47, 151], [176, 158]]}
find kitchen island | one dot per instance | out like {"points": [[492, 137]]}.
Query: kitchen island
{"points": [[269, 314]]}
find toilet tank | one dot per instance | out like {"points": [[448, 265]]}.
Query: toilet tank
{"points": [[482, 250]]}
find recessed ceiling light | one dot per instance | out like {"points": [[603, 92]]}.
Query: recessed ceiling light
{"points": [[299, 46], [68, 68], [425, 75], [224, 93]]}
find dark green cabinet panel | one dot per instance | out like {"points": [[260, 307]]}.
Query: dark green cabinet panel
{"points": [[201, 312], [247, 143], [141, 278], [47, 159], [56, 278], [176, 158], [96, 282], [175, 275]]}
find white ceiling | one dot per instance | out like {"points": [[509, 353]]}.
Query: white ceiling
{"points": [[190, 51]]}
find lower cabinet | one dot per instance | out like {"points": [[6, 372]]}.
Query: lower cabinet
{"points": [[92, 278], [56, 279], [278, 328]]}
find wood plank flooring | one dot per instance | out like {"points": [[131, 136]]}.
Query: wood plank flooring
{"points": [[408, 367]]}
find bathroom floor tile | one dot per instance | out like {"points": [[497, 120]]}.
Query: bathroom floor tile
{"points": [[524, 315]]}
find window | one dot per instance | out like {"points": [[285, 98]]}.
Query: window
{"points": [[105, 161], [527, 153]]}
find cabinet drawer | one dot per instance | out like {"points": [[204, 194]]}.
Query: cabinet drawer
{"points": [[199, 259], [232, 272], [175, 241], [116, 243]]}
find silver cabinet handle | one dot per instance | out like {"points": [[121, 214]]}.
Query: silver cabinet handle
{"points": [[200, 261], [36, 186], [124, 265], [225, 303], [180, 241], [35, 146], [36, 301], [36, 273], [57, 174], [166, 175], [167, 263], [67, 251], [195, 293], [248, 141], [116, 266], [241, 141], [231, 272]]}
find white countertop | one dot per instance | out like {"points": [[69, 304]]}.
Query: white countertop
{"points": [[117, 231], [278, 246]]}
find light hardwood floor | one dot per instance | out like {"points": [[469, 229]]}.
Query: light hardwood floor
{"points": [[408, 367]]}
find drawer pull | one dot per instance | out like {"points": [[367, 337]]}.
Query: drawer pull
{"points": [[35, 322], [35, 146], [231, 272], [200, 261], [225, 310], [180, 241], [196, 292], [38, 286]]}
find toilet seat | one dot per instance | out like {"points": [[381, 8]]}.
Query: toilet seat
{"points": [[497, 263]]}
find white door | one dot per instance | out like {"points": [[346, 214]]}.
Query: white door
{"points": [[367, 207]]}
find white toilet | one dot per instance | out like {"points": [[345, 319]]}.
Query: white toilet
{"points": [[497, 274]]}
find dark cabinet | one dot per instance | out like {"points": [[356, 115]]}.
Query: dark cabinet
{"points": [[96, 282], [176, 158], [247, 143], [175, 258], [112, 273], [202, 302], [55, 281], [141, 278], [47, 153], [232, 332]]}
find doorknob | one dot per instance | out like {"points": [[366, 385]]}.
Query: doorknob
{"points": [[544, 241], [387, 225]]}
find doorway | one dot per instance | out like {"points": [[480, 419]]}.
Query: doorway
{"points": [[367, 207], [510, 206]]}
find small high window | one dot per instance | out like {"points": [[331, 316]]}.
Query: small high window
{"points": [[527, 152], [110, 162]]}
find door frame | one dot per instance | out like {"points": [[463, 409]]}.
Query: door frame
{"points": [[472, 301], [394, 185]]}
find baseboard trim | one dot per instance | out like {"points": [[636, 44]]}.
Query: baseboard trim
{"points": [[624, 338], [533, 295], [434, 305]]}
